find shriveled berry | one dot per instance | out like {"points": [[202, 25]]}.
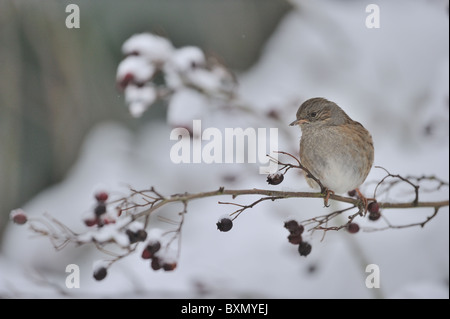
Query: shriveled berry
{"points": [[131, 236], [154, 246], [374, 216], [100, 209], [293, 227], [275, 179], [353, 228], [169, 266], [295, 239], [151, 249], [101, 196], [156, 263], [352, 193], [18, 216], [100, 273], [225, 224], [141, 235], [373, 207], [304, 248]]}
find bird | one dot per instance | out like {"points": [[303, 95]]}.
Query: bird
{"points": [[334, 149]]}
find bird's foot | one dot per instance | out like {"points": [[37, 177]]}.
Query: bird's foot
{"points": [[328, 193], [364, 200]]}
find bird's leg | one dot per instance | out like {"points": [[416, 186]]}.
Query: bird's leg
{"points": [[364, 200], [328, 193]]}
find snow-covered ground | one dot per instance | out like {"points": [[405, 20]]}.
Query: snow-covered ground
{"points": [[393, 79]]}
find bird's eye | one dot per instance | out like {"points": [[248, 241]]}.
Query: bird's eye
{"points": [[313, 114]]}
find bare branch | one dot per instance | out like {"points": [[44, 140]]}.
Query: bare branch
{"points": [[141, 204]]}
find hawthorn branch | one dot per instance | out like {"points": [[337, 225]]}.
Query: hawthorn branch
{"points": [[273, 194], [317, 223], [141, 204], [234, 193]]}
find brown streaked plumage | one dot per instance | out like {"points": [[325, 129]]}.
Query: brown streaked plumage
{"points": [[335, 149]]}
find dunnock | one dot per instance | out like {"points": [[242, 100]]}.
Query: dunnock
{"points": [[335, 149]]}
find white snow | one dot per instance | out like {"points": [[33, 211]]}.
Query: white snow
{"points": [[186, 105], [188, 68], [96, 265], [137, 66], [139, 98], [187, 58], [135, 226], [152, 47]]}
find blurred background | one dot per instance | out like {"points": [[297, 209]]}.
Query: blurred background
{"points": [[64, 128], [56, 83]]}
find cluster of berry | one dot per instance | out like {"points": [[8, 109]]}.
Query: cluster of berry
{"points": [[99, 216], [374, 214], [295, 237], [157, 262]]}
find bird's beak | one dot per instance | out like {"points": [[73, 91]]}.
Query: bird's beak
{"points": [[298, 122]]}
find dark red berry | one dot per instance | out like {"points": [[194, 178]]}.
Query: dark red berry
{"points": [[18, 216], [154, 246], [169, 266], [141, 235], [151, 249], [127, 79], [100, 273], [293, 227], [297, 232], [225, 224], [353, 228], [374, 216], [91, 221], [156, 263], [100, 209], [304, 248], [275, 179], [146, 254], [295, 239], [352, 193], [101, 196], [373, 207], [134, 237]]}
